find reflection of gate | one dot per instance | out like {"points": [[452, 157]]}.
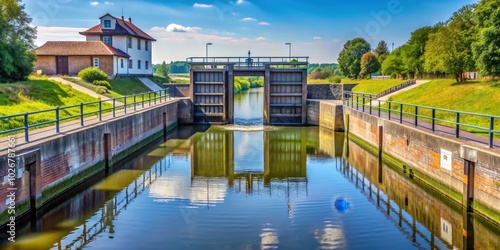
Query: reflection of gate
{"points": [[285, 83]]}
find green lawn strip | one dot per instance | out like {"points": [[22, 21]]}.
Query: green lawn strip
{"points": [[373, 86], [159, 80], [475, 97], [37, 94]]}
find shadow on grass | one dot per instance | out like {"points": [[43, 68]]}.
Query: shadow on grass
{"points": [[465, 83]]}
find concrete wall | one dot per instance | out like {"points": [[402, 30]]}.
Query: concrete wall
{"points": [[178, 90], [185, 111], [313, 112], [421, 151], [325, 91], [326, 114], [69, 158]]}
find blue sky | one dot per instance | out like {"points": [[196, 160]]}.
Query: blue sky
{"points": [[316, 28]]}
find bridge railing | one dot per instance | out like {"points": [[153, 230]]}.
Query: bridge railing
{"points": [[449, 121], [250, 62], [25, 122]]}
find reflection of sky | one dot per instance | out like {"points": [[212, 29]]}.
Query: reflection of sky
{"points": [[248, 151], [249, 105]]}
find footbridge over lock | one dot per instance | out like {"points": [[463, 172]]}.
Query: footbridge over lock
{"points": [[285, 88]]}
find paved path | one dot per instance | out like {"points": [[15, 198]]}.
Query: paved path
{"points": [[38, 136], [449, 132], [83, 89], [382, 99], [150, 84]]}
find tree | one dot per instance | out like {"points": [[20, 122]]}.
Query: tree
{"points": [[350, 56], [413, 53], [449, 49], [369, 64], [486, 49], [393, 64], [325, 73], [163, 69], [16, 42], [381, 51]]}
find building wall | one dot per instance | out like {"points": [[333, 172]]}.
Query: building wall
{"points": [[142, 55], [47, 64], [117, 69], [106, 64], [421, 151], [70, 158], [77, 63], [93, 38]]}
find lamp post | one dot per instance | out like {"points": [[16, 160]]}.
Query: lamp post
{"points": [[289, 50], [206, 50]]}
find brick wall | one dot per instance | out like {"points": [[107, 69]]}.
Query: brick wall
{"points": [[421, 151], [47, 64]]}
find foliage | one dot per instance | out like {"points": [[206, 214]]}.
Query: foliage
{"points": [[162, 70], [102, 83], [369, 65], [315, 67], [350, 57], [91, 74], [449, 49], [487, 47], [336, 79], [16, 42], [315, 75], [178, 67], [393, 64], [243, 82], [381, 51], [326, 73], [121, 86]]}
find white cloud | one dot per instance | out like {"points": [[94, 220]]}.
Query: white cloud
{"points": [[201, 5], [248, 19], [94, 3], [260, 38], [240, 2], [45, 34], [316, 37], [109, 3], [264, 23], [173, 27]]}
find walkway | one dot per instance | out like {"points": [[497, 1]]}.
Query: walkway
{"points": [[44, 134], [449, 132], [83, 89], [386, 97], [150, 84]]}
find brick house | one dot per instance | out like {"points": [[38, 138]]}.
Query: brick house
{"points": [[116, 46]]}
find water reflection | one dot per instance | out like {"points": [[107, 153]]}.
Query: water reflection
{"points": [[223, 189], [249, 107]]}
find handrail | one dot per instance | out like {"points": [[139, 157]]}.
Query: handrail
{"points": [[299, 60], [152, 96], [365, 101]]}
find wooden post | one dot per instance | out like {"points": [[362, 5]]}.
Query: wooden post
{"points": [[165, 125], [468, 187], [107, 151], [380, 151]]}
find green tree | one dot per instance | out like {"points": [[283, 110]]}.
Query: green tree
{"points": [[413, 54], [449, 50], [325, 73], [381, 51], [163, 69], [369, 64], [487, 47], [350, 56], [393, 64], [16, 41]]}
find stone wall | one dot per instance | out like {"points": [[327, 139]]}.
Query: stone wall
{"points": [[178, 90], [313, 112], [70, 158], [421, 151], [325, 91]]}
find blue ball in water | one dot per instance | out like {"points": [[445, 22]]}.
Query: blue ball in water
{"points": [[342, 205]]}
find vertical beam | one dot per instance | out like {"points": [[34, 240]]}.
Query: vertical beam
{"points": [[191, 84], [267, 94], [224, 97], [304, 96], [107, 151], [229, 83], [468, 187], [380, 151]]}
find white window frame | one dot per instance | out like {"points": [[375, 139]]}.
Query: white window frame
{"points": [[96, 62], [107, 22], [130, 63], [110, 40]]}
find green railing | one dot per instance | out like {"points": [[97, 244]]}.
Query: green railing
{"points": [[456, 121], [136, 100]]}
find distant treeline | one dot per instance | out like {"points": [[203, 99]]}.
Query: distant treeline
{"points": [[323, 71], [177, 67]]}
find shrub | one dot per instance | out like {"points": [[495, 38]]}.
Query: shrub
{"points": [[315, 75], [91, 74], [336, 79], [102, 83]]}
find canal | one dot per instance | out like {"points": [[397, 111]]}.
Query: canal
{"points": [[253, 187]]}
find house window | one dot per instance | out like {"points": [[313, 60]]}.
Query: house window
{"points": [[138, 64], [146, 45], [129, 42], [108, 40], [107, 24], [96, 62], [139, 44], [130, 63], [146, 65], [121, 63]]}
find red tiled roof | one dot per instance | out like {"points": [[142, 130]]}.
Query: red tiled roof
{"points": [[65, 48], [122, 27]]}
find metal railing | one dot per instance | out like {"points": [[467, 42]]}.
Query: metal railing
{"points": [[146, 98], [431, 117], [389, 90], [250, 62]]}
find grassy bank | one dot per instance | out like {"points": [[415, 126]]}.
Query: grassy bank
{"points": [[119, 87], [373, 86], [473, 96], [39, 93]]}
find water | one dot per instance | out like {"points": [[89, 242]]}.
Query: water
{"points": [[249, 107], [257, 188]]}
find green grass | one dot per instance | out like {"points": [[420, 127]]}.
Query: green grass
{"points": [[128, 86], [473, 96], [39, 93], [373, 86], [159, 80]]}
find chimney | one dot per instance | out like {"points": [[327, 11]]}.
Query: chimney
{"points": [[123, 18], [130, 19]]}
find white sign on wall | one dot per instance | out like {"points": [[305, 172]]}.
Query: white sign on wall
{"points": [[446, 159]]}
